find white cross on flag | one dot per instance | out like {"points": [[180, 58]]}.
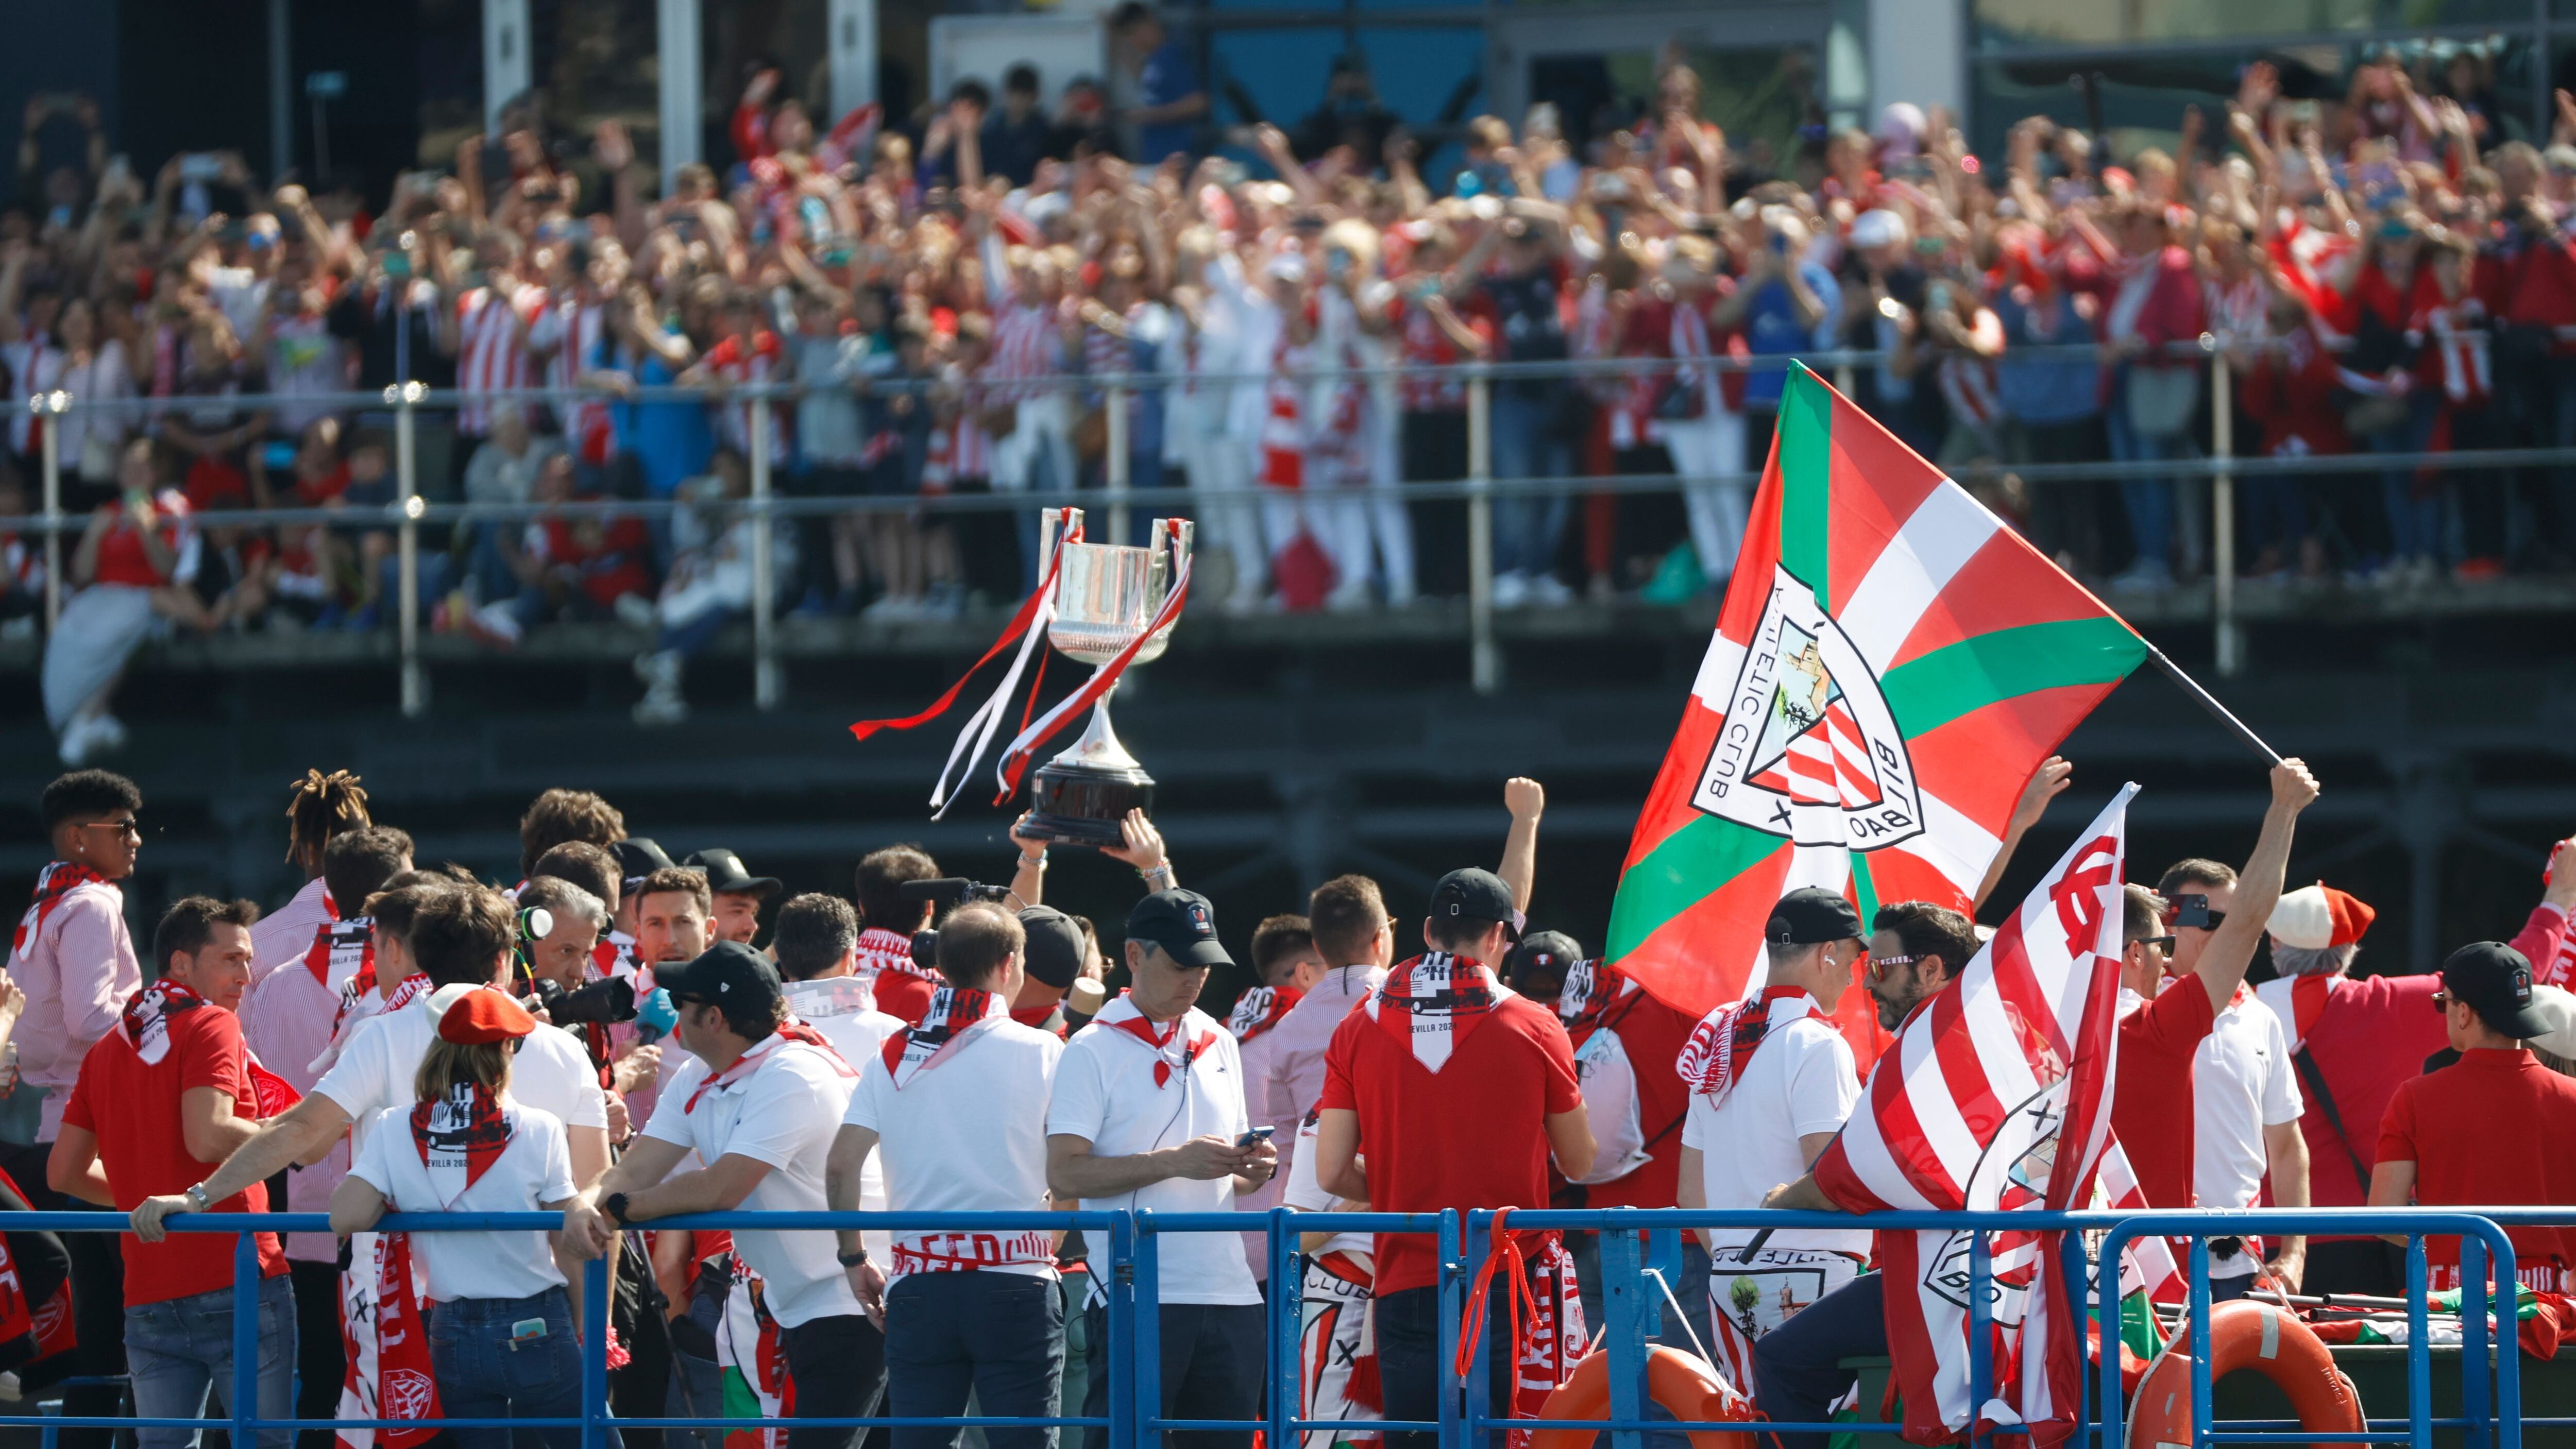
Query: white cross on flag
{"points": [[1996, 1096]]}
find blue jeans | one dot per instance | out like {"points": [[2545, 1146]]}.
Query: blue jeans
{"points": [[1526, 530], [2414, 524], [1000, 1335], [481, 1375], [2149, 502], [180, 1348]]}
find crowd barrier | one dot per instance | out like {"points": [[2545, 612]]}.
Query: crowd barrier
{"points": [[2222, 467], [1637, 1247]]}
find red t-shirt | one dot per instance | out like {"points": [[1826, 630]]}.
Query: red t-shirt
{"points": [[1471, 1135], [900, 993], [2151, 1105], [2489, 1131], [1653, 1035], [2370, 1039], [133, 1110]]}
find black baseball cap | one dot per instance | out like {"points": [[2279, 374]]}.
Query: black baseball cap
{"points": [[2495, 981], [1476, 895], [637, 857], [1054, 950], [726, 872], [1183, 924], [727, 973], [1543, 951], [1812, 916]]}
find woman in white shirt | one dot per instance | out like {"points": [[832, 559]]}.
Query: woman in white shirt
{"points": [[500, 1328]]}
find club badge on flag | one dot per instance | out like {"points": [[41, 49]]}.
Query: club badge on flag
{"points": [[1996, 1097], [1892, 663]]}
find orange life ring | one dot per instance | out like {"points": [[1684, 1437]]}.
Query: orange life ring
{"points": [[2245, 1334], [1685, 1384]]}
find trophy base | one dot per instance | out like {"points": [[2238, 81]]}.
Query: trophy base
{"points": [[1082, 804]]}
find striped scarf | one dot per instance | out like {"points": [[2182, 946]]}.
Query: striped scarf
{"points": [[1431, 1003], [1723, 1043]]}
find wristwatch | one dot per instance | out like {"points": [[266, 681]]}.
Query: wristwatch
{"points": [[856, 1257], [197, 1196], [615, 1206]]}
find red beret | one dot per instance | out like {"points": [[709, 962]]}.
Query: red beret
{"points": [[480, 1014]]}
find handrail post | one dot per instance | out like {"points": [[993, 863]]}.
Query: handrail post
{"points": [[1476, 1236], [594, 1354], [1485, 662], [1981, 1327], [415, 683], [2108, 1310], [764, 591], [2419, 1349], [49, 409], [2473, 1339], [2196, 1342], [1119, 1358], [2230, 644], [245, 1386], [1121, 476], [1453, 1302], [1147, 1324], [1624, 1306], [2070, 1267], [1287, 1290]]}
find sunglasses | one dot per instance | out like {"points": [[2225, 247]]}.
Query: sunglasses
{"points": [[2161, 943], [122, 827], [1878, 964], [2441, 1000]]}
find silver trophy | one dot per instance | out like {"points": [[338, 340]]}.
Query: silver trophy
{"points": [[1106, 595]]}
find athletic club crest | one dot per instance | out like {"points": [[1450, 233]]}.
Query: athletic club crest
{"points": [[408, 1394], [1808, 748]]}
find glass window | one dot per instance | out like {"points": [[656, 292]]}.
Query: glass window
{"points": [[599, 60], [793, 36]]}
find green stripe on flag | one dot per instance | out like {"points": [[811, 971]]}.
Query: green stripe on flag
{"points": [[1806, 479], [1961, 678], [1678, 874], [1864, 889]]}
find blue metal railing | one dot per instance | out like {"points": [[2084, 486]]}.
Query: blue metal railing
{"points": [[1632, 1241]]}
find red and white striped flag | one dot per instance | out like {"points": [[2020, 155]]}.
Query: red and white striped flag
{"points": [[1996, 1096]]}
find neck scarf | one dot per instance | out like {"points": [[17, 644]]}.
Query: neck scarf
{"points": [[954, 1016], [1723, 1043], [342, 950], [884, 950], [1594, 992], [390, 1375], [272, 1095], [1430, 1004], [459, 1136], [1171, 1043], [57, 881], [359, 1005], [793, 1033], [147, 1017], [1258, 1010]]}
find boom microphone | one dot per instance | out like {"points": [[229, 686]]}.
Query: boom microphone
{"points": [[949, 890]]}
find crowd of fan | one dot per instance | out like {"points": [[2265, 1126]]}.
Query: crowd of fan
{"points": [[2387, 273]]}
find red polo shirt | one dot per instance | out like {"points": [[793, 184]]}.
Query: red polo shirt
{"points": [[1471, 1135], [133, 1110], [2151, 1103], [2489, 1131]]}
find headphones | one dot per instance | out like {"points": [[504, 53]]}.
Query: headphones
{"points": [[535, 924]]}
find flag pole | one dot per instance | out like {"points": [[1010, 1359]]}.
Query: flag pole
{"points": [[2217, 711]]}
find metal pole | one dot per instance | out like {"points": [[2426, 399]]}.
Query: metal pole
{"points": [[1120, 477], [1145, 1328], [1625, 1306], [245, 1385], [764, 590], [49, 419], [1981, 1323], [415, 683], [2222, 521], [2196, 1336], [594, 1353], [2480, 1431], [1485, 662], [1119, 1361], [281, 92], [1453, 1302], [2419, 1350], [1287, 1294]]}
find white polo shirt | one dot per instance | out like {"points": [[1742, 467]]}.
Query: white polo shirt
{"points": [[784, 1113], [1801, 1081], [535, 1169], [1105, 1092], [2242, 1081], [845, 1012], [1305, 1193], [380, 1059], [966, 1134]]}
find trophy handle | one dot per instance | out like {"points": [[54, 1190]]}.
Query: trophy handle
{"points": [[1047, 521], [1182, 532]]}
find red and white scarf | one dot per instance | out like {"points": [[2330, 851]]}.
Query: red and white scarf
{"points": [[1431, 1003], [1258, 1010], [954, 1017], [1173, 1045], [148, 1013], [1723, 1043], [57, 881], [342, 950], [882, 950], [359, 1005], [1592, 990], [459, 1136], [771, 1048], [387, 1346]]}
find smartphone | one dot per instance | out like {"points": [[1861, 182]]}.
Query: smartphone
{"points": [[200, 166], [279, 454], [397, 266], [1255, 1137], [2193, 910]]}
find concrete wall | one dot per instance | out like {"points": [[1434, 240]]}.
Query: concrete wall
{"points": [[1918, 53]]}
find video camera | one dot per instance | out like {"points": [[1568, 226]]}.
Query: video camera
{"points": [[601, 1003], [948, 891]]}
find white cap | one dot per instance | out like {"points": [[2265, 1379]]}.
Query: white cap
{"points": [[1900, 128], [1877, 228], [2558, 1006], [2300, 919]]}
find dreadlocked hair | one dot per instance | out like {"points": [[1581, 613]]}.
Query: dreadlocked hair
{"points": [[323, 806]]}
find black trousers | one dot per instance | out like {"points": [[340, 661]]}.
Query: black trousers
{"points": [[839, 1366], [320, 1360], [98, 1304], [1410, 1374], [1211, 1369], [998, 1336], [2355, 1265], [1798, 1368]]}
